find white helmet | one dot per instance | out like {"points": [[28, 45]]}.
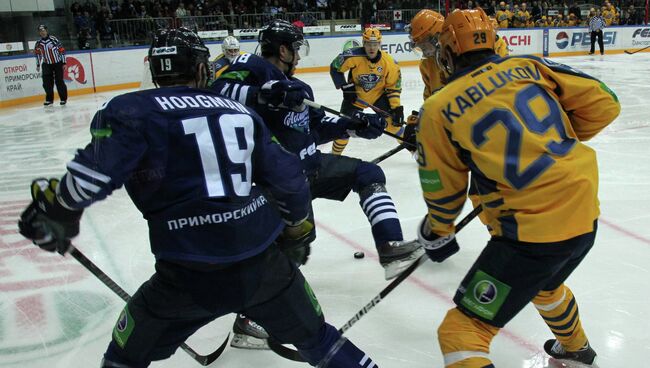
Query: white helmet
{"points": [[230, 48]]}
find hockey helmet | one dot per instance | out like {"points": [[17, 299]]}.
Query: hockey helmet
{"points": [[230, 48], [175, 54], [280, 32], [464, 31], [371, 35], [41, 27], [424, 31]]}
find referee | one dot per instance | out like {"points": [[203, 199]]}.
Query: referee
{"points": [[51, 54], [596, 25]]}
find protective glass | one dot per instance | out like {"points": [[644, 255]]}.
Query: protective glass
{"points": [[301, 48]]}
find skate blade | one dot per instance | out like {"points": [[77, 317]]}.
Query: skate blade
{"points": [[240, 341], [393, 269]]}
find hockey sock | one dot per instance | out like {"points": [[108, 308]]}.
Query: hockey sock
{"points": [[560, 312], [328, 349], [338, 146], [465, 341], [381, 212]]}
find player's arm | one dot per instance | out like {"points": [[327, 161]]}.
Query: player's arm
{"points": [[425, 73], [281, 173], [52, 218], [590, 104], [341, 64], [443, 176]]}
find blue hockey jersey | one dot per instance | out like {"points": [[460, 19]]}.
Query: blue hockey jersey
{"points": [[298, 131], [191, 162]]}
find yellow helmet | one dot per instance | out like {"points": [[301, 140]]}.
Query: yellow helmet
{"points": [[426, 23], [371, 35], [464, 31]]}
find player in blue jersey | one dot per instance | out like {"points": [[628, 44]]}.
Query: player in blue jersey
{"points": [[267, 85], [196, 165]]}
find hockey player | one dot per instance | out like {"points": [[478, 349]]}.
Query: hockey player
{"points": [[503, 16], [193, 163], [517, 124], [267, 85], [424, 32], [230, 51], [374, 78]]}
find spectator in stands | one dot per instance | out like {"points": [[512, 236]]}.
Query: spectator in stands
{"points": [[575, 10], [536, 10], [180, 10]]}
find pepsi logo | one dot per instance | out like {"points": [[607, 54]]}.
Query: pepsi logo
{"points": [[562, 40]]}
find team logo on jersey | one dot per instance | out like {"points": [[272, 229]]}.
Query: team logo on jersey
{"points": [[369, 81], [74, 71], [562, 40]]}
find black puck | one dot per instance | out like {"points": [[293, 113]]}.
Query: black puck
{"points": [[359, 255]]}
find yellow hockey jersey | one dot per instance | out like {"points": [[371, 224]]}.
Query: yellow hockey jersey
{"points": [[431, 76], [371, 79], [219, 65], [501, 47], [517, 124]]}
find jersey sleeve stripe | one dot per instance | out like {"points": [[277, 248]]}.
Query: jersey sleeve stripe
{"points": [[88, 172]]}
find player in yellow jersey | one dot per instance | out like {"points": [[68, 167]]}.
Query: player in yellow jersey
{"points": [[374, 77], [517, 124], [230, 51], [424, 31]]}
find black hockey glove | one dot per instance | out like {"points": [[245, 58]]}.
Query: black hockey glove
{"points": [[409, 136], [295, 241], [371, 126], [397, 115], [349, 92], [282, 93], [438, 248], [45, 221]]}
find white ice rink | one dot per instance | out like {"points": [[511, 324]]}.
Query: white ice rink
{"points": [[55, 314]]}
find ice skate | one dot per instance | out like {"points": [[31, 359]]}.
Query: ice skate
{"points": [[396, 256], [586, 355], [248, 335]]}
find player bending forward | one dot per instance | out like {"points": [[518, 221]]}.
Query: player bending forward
{"points": [[517, 124], [187, 155], [267, 85]]}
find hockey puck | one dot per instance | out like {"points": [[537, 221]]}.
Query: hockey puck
{"points": [[359, 255]]}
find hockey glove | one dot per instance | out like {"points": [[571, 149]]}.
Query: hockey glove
{"points": [[438, 248], [349, 92], [409, 136], [45, 221], [295, 241], [397, 115], [371, 126], [281, 93]]}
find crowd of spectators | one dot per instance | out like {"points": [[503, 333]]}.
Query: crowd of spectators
{"points": [[92, 18]]}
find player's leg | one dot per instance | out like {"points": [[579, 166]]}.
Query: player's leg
{"points": [[339, 145], [48, 83], [61, 88], [156, 320], [559, 309], [506, 276], [292, 315], [340, 174]]}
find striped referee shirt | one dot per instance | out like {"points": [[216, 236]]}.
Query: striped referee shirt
{"points": [[596, 23], [49, 50]]}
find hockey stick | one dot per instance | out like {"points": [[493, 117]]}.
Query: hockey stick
{"points": [[634, 52], [106, 280], [316, 105], [292, 354], [389, 153]]}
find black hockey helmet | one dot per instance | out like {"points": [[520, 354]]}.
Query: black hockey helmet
{"points": [[175, 54], [41, 27], [280, 32]]}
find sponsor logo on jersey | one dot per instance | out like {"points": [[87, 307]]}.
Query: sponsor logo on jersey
{"points": [[298, 120], [484, 295], [562, 40], [169, 50], [74, 71], [351, 43], [369, 81]]}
